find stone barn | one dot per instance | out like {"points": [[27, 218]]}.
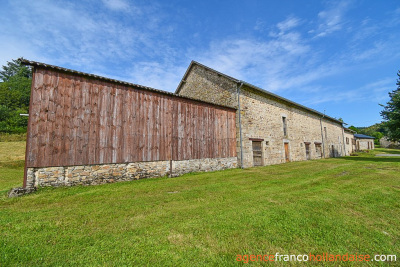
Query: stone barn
{"points": [[364, 142], [270, 129], [87, 129]]}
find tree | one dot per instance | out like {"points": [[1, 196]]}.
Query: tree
{"points": [[14, 68], [14, 96], [391, 113], [354, 128]]}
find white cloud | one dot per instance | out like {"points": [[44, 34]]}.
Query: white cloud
{"points": [[331, 20], [119, 5], [371, 92], [288, 24]]}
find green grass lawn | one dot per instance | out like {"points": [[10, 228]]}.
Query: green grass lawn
{"points": [[347, 205]]}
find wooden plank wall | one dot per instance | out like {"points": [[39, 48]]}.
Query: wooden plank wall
{"points": [[78, 120]]}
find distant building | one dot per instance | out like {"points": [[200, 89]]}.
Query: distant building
{"points": [[364, 142], [384, 142]]}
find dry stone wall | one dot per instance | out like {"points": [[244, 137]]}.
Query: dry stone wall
{"points": [[109, 173]]}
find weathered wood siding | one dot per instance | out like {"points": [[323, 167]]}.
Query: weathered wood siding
{"points": [[78, 120]]}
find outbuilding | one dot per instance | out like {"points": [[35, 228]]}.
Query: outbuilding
{"points": [[364, 142]]}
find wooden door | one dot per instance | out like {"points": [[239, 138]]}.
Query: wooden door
{"points": [[308, 156], [257, 153], [287, 152]]}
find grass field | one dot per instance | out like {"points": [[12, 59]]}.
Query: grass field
{"points": [[344, 205]]}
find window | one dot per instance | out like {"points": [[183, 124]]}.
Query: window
{"points": [[284, 126], [347, 140], [326, 133]]}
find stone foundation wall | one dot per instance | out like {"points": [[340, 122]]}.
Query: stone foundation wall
{"points": [[109, 173]]}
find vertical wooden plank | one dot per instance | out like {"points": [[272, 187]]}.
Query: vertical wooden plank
{"points": [[58, 123], [77, 120], [102, 125], [144, 120], [43, 135], [34, 118], [52, 91], [175, 129], [135, 146], [93, 143], [169, 129], [127, 124], [160, 139], [86, 111], [29, 139]]}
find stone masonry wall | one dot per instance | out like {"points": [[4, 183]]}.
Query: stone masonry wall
{"points": [[365, 144], [384, 142], [108, 173], [349, 147], [262, 119], [261, 116]]}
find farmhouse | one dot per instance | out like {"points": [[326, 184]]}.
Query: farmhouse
{"points": [[364, 142], [87, 129], [269, 129]]}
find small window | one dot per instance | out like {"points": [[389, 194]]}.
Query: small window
{"points": [[326, 133], [284, 126], [347, 140]]}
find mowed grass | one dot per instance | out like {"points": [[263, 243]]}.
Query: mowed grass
{"points": [[347, 205], [12, 158]]}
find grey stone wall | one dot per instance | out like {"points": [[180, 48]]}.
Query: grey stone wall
{"points": [[384, 142], [350, 147], [365, 144], [108, 173], [261, 116]]}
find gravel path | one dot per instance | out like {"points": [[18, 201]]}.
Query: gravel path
{"points": [[388, 155]]}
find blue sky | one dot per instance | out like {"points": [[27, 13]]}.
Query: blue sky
{"points": [[337, 56]]}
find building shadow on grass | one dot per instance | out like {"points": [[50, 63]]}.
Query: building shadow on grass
{"points": [[373, 159]]}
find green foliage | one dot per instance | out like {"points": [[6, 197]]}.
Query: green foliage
{"points": [[14, 68], [354, 128], [391, 113], [14, 97], [378, 136]]}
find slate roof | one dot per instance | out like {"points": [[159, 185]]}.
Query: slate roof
{"points": [[251, 86], [363, 136]]}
